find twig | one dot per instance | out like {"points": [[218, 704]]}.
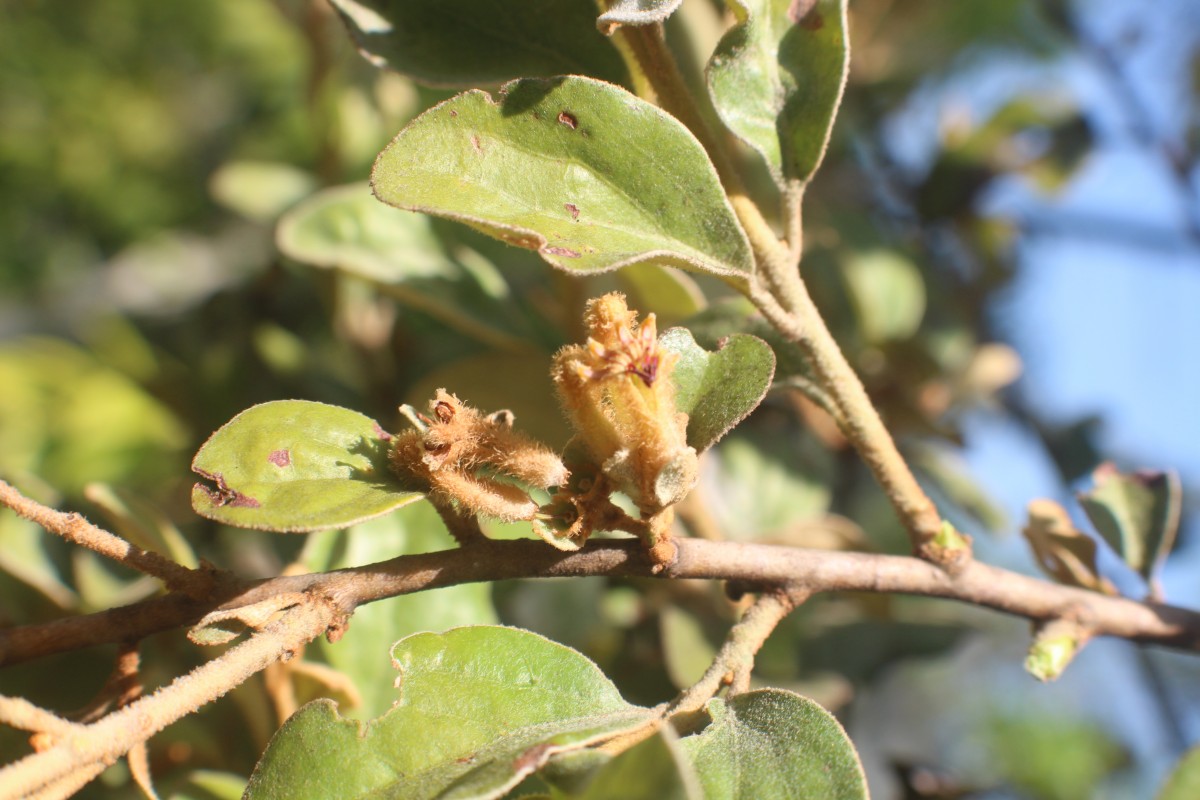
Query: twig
{"points": [[23, 715], [104, 741], [735, 659], [756, 564], [77, 530], [801, 323]]}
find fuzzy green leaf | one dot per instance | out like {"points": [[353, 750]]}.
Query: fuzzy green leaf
{"points": [[478, 42], [479, 708], [1137, 514], [635, 12], [295, 466], [718, 390], [777, 78], [585, 173], [774, 743]]}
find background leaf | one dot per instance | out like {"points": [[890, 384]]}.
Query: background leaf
{"points": [[773, 743], [346, 228], [295, 466], [654, 769], [1063, 553], [718, 390], [1184, 781], [1137, 514], [478, 709], [776, 80], [581, 171], [474, 42], [363, 651]]}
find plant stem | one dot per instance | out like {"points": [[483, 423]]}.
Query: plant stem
{"points": [[801, 323], [736, 657]]}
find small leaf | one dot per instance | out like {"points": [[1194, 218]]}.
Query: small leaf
{"points": [[294, 466], [1137, 514], [260, 190], [654, 769], [718, 390], [888, 294], [585, 173], [477, 42], [479, 708], [774, 743], [1064, 553], [776, 80], [1184, 781], [635, 12]]}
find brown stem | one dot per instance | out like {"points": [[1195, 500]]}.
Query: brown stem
{"points": [[735, 659], [77, 530], [113, 736], [802, 324], [754, 564]]}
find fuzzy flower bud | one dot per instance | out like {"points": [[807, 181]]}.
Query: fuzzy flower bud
{"points": [[617, 391]]}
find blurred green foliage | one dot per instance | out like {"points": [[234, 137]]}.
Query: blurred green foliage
{"points": [[148, 148]]}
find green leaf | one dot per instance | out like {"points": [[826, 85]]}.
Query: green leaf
{"points": [[1184, 781], [346, 228], [768, 479], [260, 190], [718, 390], [362, 652], [479, 708], [773, 743], [585, 173], [1137, 514], [654, 769], [672, 295], [477, 42], [294, 466], [888, 295], [776, 80], [204, 784], [635, 12], [1064, 553]]}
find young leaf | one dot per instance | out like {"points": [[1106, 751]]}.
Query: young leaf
{"points": [[479, 709], [1065, 554], [718, 390], [635, 12], [774, 743], [294, 466], [1137, 514], [776, 80], [477, 42], [585, 173]]}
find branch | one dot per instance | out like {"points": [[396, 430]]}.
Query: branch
{"points": [[800, 322], [77, 530], [755, 564], [81, 754], [734, 661]]}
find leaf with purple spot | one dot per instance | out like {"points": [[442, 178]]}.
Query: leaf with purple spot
{"points": [[295, 466]]}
